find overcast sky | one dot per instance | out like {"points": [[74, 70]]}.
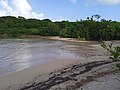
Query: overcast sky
{"points": [[61, 9]]}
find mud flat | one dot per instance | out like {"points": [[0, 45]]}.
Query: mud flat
{"points": [[61, 77], [18, 79]]}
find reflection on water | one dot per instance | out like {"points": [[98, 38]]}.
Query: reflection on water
{"points": [[14, 56], [22, 57], [18, 54]]}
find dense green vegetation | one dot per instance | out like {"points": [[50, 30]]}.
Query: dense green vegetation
{"points": [[90, 29]]}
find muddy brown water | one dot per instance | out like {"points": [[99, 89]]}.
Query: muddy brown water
{"points": [[19, 54]]}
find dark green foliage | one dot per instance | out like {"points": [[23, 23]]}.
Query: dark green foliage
{"points": [[64, 33], [89, 29], [118, 66], [115, 55], [113, 50]]}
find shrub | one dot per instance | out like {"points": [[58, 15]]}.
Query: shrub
{"points": [[118, 66], [113, 50]]}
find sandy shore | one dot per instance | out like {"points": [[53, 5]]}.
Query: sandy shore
{"points": [[67, 39], [106, 82], [20, 78], [75, 76], [55, 38]]}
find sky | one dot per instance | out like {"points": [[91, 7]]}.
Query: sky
{"points": [[58, 10]]}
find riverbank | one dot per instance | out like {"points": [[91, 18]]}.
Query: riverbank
{"points": [[61, 38], [21, 78], [67, 39], [61, 76], [55, 38]]}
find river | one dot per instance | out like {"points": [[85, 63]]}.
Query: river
{"points": [[18, 54]]}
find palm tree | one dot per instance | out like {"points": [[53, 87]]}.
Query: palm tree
{"points": [[97, 16]]}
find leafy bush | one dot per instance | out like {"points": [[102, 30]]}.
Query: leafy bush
{"points": [[118, 66], [113, 50]]}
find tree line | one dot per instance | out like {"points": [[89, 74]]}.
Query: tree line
{"points": [[90, 29]]}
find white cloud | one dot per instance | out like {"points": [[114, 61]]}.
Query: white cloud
{"points": [[59, 19], [104, 2], [18, 8], [109, 2]]}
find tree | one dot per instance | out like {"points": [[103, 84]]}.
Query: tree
{"points": [[97, 16], [108, 32], [20, 17], [64, 33], [88, 29]]}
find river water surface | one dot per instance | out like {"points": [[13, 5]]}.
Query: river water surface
{"points": [[18, 54]]}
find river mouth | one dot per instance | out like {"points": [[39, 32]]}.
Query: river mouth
{"points": [[19, 54]]}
